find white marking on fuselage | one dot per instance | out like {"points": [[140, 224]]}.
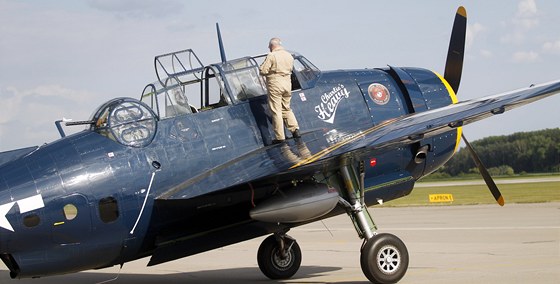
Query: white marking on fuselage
{"points": [[326, 109], [25, 205], [4, 223], [31, 203], [143, 204], [219, 148]]}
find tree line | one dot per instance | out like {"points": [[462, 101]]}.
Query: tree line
{"points": [[518, 153]]}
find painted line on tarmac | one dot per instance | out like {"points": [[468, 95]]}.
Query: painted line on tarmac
{"points": [[442, 229], [481, 182], [476, 228]]}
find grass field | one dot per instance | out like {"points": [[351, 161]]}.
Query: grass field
{"points": [[479, 194]]}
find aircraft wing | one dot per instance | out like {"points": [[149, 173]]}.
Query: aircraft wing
{"points": [[313, 153], [9, 156]]}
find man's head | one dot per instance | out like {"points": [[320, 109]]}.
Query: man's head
{"points": [[274, 43]]}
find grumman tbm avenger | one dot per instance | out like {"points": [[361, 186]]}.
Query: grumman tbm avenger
{"points": [[191, 167]]}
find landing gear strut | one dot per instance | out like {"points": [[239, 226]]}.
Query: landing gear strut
{"points": [[279, 256], [384, 257]]}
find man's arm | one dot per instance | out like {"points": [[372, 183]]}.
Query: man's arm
{"points": [[264, 69]]}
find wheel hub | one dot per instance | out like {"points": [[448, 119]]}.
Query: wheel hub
{"points": [[282, 263], [388, 259]]}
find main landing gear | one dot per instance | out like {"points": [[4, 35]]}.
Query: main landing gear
{"points": [[384, 257], [279, 256]]}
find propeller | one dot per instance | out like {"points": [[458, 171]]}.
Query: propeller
{"points": [[485, 174], [453, 70], [455, 54]]}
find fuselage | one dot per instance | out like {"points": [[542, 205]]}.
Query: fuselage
{"points": [[90, 200]]}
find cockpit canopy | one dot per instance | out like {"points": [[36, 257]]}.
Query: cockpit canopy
{"points": [[185, 85], [168, 99]]}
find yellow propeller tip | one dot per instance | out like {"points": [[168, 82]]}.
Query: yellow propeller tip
{"points": [[501, 201], [462, 11]]}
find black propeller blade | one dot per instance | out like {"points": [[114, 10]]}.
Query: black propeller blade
{"points": [[454, 63], [453, 70], [487, 178]]}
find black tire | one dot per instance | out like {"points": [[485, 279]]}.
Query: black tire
{"points": [[384, 259], [272, 265]]}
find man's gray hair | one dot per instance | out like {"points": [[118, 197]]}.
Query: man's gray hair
{"points": [[275, 42]]}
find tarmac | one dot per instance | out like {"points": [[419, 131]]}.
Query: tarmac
{"points": [[517, 243]]}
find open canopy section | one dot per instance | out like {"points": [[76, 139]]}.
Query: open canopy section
{"points": [[186, 86], [242, 78], [182, 65], [167, 100]]}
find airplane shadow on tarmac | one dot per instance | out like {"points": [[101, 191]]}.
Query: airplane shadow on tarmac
{"points": [[231, 276]]}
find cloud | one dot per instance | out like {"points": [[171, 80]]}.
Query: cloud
{"points": [[472, 32], [552, 47], [138, 8], [516, 37], [525, 57], [527, 8], [527, 13], [486, 53], [27, 116], [525, 19]]}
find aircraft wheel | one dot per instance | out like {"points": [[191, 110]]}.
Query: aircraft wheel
{"points": [[272, 264], [384, 259]]}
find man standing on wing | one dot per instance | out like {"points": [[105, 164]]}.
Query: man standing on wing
{"points": [[277, 68]]}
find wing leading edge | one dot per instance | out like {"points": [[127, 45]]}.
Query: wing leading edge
{"points": [[310, 155]]}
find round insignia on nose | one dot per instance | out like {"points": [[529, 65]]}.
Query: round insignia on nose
{"points": [[379, 93]]}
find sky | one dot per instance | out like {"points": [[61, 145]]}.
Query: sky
{"points": [[65, 58]]}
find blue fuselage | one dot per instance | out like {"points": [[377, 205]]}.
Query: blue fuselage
{"points": [[80, 202]]}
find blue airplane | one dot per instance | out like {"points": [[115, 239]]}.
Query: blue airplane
{"points": [[191, 166]]}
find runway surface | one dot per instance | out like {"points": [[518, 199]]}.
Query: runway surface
{"points": [[519, 243]]}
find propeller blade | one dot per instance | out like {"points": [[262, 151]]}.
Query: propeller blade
{"points": [[454, 63], [484, 172], [453, 70]]}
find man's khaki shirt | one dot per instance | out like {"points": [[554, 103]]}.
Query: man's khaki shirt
{"points": [[278, 63]]}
